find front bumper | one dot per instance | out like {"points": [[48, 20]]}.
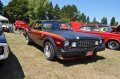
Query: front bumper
{"points": [[6, 51], [78, 52]]}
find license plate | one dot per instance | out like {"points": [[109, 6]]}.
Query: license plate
{"points": [[89, 53]]}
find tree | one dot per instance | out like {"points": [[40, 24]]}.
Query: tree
{"points": [[88, 20], [37, 9], [50, 10], [56, 12], [1, 7], [104, 20], [69, 11], [116, 23], [83, 18], [17, 9], [95, 21], [112, 23]]}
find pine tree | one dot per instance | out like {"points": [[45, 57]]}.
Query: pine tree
{"points": [[95, 21], [88, 20], [83, 18], [50, 11], [112, 23], [104, 20], [56, 12], [1, 7]]}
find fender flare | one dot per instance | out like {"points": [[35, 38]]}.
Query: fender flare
{"points": [[49, 39]]}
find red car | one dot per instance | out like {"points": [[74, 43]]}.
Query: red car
{"points": [[59, 40], [111, 39], [19, 24]]}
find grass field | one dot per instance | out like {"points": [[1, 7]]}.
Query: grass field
{"points": [[28, 62]]}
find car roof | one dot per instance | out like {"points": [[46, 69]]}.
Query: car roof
{"points": [[50, 21]]}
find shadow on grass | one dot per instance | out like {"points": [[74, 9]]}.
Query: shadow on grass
{"points": [[85, 60], [68, 63], [11, 68], [37, 46]]}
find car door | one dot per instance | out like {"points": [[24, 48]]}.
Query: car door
{"points": [[36, 34]]}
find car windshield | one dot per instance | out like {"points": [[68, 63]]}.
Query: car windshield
{"points": [[89, 28], [105, 28], [96, 28], [56, 25]]}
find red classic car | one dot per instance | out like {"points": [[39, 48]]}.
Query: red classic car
{"points": [[59, 40], [19, 24], [111, 39]]}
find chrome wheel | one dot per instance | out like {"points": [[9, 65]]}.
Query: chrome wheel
{"points": [[49, 51], [113, 45]]}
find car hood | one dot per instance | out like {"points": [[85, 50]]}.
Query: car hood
{"points": [[74, 35], [110, 35], [2, 38]]}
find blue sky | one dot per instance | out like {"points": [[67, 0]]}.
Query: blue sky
{"points": [[92, 8], [95, 8]]}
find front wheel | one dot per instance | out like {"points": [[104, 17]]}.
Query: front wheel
{"points": [[113, 45], [49, 51]]}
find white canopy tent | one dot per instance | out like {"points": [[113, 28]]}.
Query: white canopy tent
{"points": [[3, 22], [2, 18]]}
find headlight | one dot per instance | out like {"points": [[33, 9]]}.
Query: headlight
{"points": [[74, 44], [96, 42], [66, 43]]}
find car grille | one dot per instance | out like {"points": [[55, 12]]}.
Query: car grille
{"points": [[86, 43]]}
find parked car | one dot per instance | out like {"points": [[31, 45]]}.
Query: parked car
{"points": [[4, 50], [20, 25], [111, 39], [59, 40]]}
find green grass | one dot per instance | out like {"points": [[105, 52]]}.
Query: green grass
{"points": [[105, 66]]}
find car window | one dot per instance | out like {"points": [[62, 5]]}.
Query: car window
{"points": [[55, 25], [50, 25], [47, 26], [105, 28], [89, 28], [63, 26], [37, 26]]}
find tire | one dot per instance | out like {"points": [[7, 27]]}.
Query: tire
{"points": [[49, 51], [113, 45], [28, 41]]}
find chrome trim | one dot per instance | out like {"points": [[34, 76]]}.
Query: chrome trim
{"points": [[6, 51]]}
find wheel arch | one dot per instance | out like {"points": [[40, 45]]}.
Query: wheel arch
{"points": [[112, 40], [49, 39]]}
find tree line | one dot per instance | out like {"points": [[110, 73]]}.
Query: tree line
{"points": [[30, 10]]}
